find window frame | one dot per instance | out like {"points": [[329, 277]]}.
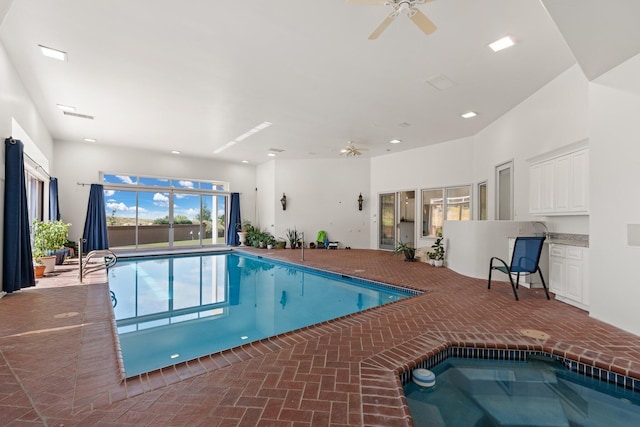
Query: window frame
{"points": [[132, 184], [444, 208]]}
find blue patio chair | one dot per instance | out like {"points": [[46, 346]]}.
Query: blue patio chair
{"points": [[524, 260]]}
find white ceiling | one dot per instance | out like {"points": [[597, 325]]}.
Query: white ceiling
{"points": [[193, 75]]}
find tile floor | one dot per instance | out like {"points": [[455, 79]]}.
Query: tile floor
{"points": [[59, 359]]}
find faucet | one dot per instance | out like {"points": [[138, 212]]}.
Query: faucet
{"points": [[546, 230]]}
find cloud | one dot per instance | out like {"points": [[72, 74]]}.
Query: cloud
{"points": [[109, 193], [161, 199], [187, 184], [120, 207], [125, 179]]}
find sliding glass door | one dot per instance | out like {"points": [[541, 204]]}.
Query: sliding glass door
{"points": [[147, 213], [387, 232]]}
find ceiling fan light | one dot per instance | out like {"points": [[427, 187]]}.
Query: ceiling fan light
{"points": [[502, 43]]}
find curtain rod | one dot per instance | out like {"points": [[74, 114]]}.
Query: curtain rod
{"points": [[38, 165], [84, 184]]}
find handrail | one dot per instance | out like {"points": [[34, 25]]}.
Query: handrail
{"points": [[110, 259]]}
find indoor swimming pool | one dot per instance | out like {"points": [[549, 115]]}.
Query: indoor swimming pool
{"points": [[174, 309], [536, 392]]}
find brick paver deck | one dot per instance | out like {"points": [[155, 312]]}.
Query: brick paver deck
{"points": [[59, 359]]}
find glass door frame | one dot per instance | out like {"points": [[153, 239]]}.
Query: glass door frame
{"points": [[382, 240], [403, 220], [171, 193]]}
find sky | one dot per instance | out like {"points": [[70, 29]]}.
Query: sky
{"points": [[155, 204]]}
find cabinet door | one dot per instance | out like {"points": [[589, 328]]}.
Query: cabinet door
{"points": [[535, 188], [580, 181], [547, 190], [557, 264], [563, 184], [574, 279]]}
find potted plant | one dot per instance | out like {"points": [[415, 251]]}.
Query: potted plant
{"points": [[438, 252], [48, 237], [408, 250], [281, 243], [38, 266], [292, 236], [431, 257], [243, 228]]}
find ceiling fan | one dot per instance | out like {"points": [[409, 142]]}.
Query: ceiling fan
{"points": [[399, 6], [351, 151]]}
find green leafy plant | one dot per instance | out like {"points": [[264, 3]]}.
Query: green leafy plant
{"points": [[49, 236], [438, 249], [293, 237], [408, 250]]}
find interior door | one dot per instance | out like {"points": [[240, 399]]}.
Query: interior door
{"points": [[387, 232], [504, 191], [407, 211]]}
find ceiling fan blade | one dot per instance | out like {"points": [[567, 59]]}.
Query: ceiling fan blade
{"points": [[367, 2], [424, 23], [383, 25]]}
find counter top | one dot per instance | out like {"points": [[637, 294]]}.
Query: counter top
{"points": [[580, 240], [568, 242]]}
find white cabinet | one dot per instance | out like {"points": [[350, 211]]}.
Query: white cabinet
{"points": [[569, 274], [560, 185]]}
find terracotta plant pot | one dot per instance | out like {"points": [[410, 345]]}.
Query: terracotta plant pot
{"points": [[38, 271]]}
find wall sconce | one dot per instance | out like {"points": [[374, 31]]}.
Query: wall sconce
{"points": [[284, 202], [360, 200]]}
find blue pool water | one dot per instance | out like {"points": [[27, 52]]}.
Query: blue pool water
{"points": [[474, 392], [173, 309]]}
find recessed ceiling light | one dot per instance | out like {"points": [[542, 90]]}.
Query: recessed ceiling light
{"points": [[245, 161], [271, 154], [175, 152], [502, 43], [53, 53], [89, 140], [66, 108], [468, 114], [395, 141]]}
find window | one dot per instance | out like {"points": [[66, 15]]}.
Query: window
{"points": [[163, 212], [482, 201], [35, 197], [439, 204]]}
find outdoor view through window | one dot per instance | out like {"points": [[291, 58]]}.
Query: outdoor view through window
{"points": [[145, 212]]}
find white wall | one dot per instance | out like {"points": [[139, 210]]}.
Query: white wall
{"points": [[266, 198], [615, 173], [16, 104], [82, 162], [555, 116], [322, 195]]}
